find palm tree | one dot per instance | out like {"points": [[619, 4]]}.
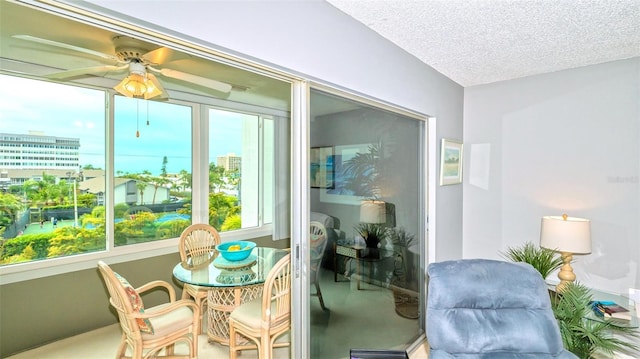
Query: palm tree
{"points": [[185, 179], [157, 182], [141, 183], [10, 205], [141, 186], [216, 175], [31, 189]]}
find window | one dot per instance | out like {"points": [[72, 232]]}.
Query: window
{"points": [[152, 163], [240, 170], [52, 159], [55, 189]]}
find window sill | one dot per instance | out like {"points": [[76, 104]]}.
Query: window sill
{"points": [[20, 272], [39, 269]]}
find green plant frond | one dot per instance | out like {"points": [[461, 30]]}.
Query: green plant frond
{"points": [[543, 260], [400, 237], [584, 337], [371, 230]]}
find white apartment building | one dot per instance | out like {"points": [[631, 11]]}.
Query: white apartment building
{"points": [[36, 150]]}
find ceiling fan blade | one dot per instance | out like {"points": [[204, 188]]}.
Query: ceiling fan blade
{"points": [[198, 80], [86, 71], [66, 46], [162, 55]]}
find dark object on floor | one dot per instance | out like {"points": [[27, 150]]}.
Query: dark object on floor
{"points": [[378, 354]]}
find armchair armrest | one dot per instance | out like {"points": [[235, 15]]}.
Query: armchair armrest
{"points": [[167, 308], [157, 284]]}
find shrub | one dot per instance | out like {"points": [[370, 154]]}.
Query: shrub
{"points": [[232, 223], [39, 244]]}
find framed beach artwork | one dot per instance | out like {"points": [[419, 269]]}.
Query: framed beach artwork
{"points": [[450, 162], [322, 173]]}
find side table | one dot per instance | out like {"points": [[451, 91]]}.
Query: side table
{"points": [[625, 301], [600, 295], [620, 299], [360, 255]]}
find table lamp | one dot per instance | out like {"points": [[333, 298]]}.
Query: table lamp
{"points": [[567, 235], [372, 211]]}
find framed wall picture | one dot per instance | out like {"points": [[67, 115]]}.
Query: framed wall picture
{"points": [[342, 192], [450, 162], [322, 173]]}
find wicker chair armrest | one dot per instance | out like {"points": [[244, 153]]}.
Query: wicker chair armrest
{"points": [[156, 284], [168, 308]]}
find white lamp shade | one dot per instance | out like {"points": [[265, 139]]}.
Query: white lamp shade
{"points": [[373, 212], [566, 234]]}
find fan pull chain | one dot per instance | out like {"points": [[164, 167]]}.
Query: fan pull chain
{"points": [[137, 118], [147, 112]]}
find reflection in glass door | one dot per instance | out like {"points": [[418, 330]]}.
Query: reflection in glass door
{"points": [[367, 191]]}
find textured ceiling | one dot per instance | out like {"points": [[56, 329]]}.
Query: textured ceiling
{"points": [[483, 41]]}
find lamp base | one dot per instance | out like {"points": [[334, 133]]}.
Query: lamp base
{"points": [[566, 274]]}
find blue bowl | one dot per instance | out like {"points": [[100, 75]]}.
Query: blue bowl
{"points": [[234, 255]]}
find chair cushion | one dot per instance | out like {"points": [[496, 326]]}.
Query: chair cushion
{"points": [[136, 302], [169, 323], [249, 313]]}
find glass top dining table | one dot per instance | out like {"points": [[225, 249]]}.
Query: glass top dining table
{"points": [[218, 272], [230, 284]]}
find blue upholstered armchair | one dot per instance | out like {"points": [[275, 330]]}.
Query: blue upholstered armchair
{"points": [[479, 308]]}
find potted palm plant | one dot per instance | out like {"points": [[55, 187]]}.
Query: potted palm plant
{"points": [[543, 260], [373, 234], [581, 336], [404, 284], [584, 337]]}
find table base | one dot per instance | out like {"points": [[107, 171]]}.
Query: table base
{"points": [[221, 301]]}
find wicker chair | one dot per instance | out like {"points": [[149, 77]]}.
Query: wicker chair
{"points": [[149, 331], [264, 320], [197, 246], [318, 238]]}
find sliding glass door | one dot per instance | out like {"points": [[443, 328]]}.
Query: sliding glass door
{"points": [[366, 189]]}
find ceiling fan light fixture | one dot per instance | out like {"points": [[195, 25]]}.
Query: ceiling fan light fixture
{"points": [[132, 86], [138, 84]]}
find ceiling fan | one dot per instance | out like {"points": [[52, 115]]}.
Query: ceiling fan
{"points": [[135, 57]]}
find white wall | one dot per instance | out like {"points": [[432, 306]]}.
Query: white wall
{"points": [[564, 142], [314, 39]]}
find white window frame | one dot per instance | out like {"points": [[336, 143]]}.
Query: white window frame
{"points": [[115, 254], [262, 229]]}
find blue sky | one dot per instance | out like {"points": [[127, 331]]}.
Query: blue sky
{"points": [[68, 111]]}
